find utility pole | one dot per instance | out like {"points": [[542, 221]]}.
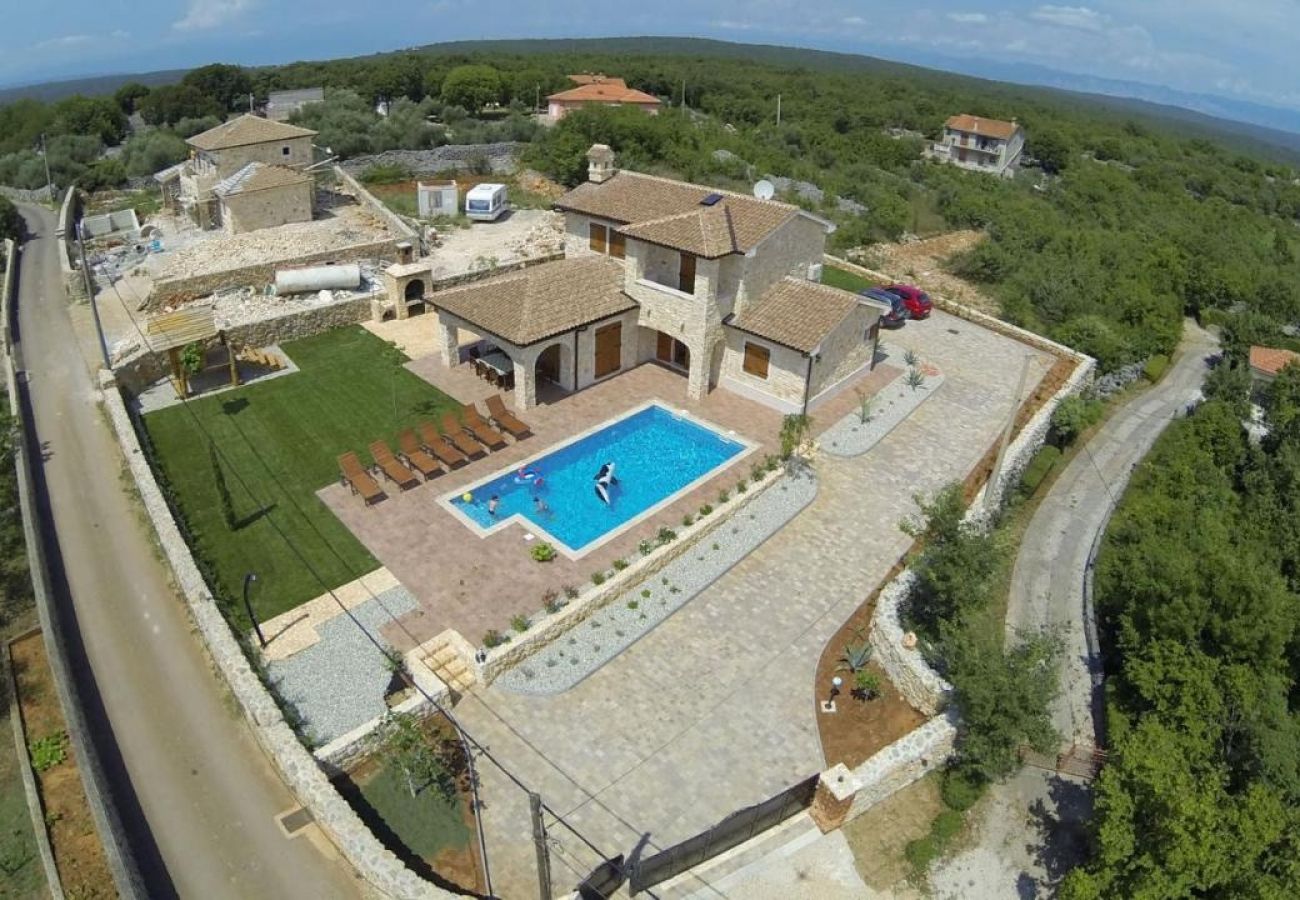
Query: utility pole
{"points": [[90, 292], [537, 104], [683, 93], [539, 842], [250, 101], [992, 491], [49, 183], [778, 110]]}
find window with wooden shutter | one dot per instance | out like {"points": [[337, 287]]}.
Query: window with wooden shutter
{"points": [[617, 244], [756, 360], [597, 237], [686, 274]]}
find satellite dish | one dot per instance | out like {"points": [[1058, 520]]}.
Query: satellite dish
{"points": [[764, 190]]}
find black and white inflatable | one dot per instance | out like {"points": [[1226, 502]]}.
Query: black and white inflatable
{"points": [[604, 479]]}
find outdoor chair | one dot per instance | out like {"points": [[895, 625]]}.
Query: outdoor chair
{"points": [[505, 419], [454, 432], [355, 476], [479, 427], [481, 369], [415, 456], [393, 470], [446, 454]]}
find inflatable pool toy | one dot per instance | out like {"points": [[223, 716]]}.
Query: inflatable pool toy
{"points": [[525, 475], [467, 497]]}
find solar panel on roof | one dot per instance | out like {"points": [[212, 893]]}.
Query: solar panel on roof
{"points": [[710, 199]]}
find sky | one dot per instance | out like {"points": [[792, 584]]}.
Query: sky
{"points": [[1241, 49]]}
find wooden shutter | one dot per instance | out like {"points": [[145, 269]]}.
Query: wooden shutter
{"points": [[617, 244], [597, 237], [664, 349], [686, 274], [609, 349], [756, 360]]}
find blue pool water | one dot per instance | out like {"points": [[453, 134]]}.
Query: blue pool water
{"points": [[655, 454]]}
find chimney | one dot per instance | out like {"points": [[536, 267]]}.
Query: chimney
{"points": [[600, 163]]}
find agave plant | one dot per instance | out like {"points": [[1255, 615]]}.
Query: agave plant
{"points": [[856, 655]]}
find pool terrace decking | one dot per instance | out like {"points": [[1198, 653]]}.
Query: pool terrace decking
{"points": [[473, 583]]}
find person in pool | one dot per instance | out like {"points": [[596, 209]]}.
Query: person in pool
{"points": [[540, 506], [493, 503]]}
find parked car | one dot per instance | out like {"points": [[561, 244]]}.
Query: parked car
{"points": [[897, 315], [917, 301]]}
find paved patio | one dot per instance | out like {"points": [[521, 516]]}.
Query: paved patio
{"points": [[715, 709], [473, 583]]}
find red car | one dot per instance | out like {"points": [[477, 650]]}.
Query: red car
{"points": [[916, 300]]}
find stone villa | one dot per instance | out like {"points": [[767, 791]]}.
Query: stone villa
{"points": [[244, 174], [981, 145], [599, 90], [722, 287]]}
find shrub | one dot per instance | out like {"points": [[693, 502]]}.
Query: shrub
{"points": [[741, 486], [619, 565], [571, 592], [551, 601], [666, 535], [597, 578], [520, 623], [960, 789], [1155, 367], [771, 462], [385, 173], [914, 379], [494, 638], [688, 520], [632, 604], [866, 684], [543, 552], [910, 357], [645, 593], [1073, 416], [920, 853], [756, 472], [794, 430], [946, 826], [49, 751], [724, 495], [705, 510], [1038, 468], [646, 547]]}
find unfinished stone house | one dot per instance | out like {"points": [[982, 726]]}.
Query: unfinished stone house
{"points": [[722, 287], [259, 166]]}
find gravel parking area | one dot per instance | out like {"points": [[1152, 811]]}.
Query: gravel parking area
{"points": [[338, 684], [626, 618]]}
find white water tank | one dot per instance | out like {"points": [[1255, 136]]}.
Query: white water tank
{"points": [[318, 278]]}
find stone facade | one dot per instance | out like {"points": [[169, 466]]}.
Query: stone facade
{"points": [[920, 685], [251, 210], [844, 352], [787, 371], [294, 152], [301, 772]]}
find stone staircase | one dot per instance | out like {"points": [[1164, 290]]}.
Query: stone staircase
{"points": [[447, 657]]}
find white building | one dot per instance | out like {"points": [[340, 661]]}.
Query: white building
{"points": [[981, 145]]}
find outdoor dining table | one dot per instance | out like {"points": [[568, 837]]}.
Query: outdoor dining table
{"points": [[498, 362]]}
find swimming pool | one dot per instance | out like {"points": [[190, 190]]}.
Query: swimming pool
{"points": [[657, 454]]}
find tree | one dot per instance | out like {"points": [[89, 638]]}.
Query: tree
{"points": [[472, 87], [411, 749], [953, 571], [153, 151], [103, 174], [128, 96], [11, 221], [1050, 149], [96, 116], [171, 103], [226, 84]]}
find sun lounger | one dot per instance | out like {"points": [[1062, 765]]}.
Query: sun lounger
{"points": [[415, 456], [516, 428], [479, 427], [446, 454], [355, 476], [453, 431], [393, 470]]}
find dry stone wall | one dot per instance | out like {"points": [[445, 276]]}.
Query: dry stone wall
{"points": [[501, 157]]}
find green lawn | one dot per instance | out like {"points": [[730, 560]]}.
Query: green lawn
{"points": [[842, 278], [282, 439], [425, 824], [21, 874]]}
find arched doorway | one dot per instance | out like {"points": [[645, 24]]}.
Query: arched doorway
{"points": [[672, 352], [548, 364], [413, 295]]}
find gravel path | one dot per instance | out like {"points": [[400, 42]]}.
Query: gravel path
{"points": [[559, 666], [895, 402], [338, 684]]}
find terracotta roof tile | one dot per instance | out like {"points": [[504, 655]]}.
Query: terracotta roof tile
{"points": [[535, 303], [1271, 360], [642, 201], [244, 130], [610, 90], [796, 313], [994, 128], [257, 176]]}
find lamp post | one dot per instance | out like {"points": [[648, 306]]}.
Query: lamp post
{"points": [[836, 683], [248, 608]]}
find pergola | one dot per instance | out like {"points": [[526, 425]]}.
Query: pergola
{"points": [[171, 331]]}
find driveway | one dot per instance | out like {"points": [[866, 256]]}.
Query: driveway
{"points": [[1032, 826], [714, 710], [198, 797]]}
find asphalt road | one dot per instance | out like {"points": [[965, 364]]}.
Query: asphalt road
{"points": [[1047, 587], [198, 796]]}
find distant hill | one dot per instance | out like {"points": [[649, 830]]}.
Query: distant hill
{"points": [[92, 86], [1170, 107]]}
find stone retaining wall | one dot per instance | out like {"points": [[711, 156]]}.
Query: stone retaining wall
{"points": [[25, 195], [921, 686], [396, 222], [300, 770], [99, 797], [182, 288], [501, 157], [549, 627]]}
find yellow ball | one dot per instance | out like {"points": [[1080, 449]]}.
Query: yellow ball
{"points": [[467, 496]]}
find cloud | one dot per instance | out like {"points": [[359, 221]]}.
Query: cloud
{"points": [[67, 40], [969, 18], [1080, 17], [206, 14], [854, 20]]}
